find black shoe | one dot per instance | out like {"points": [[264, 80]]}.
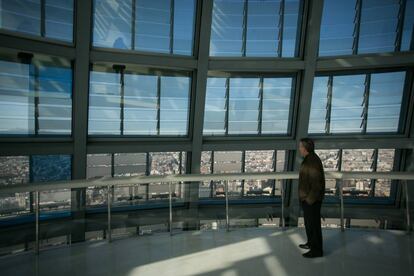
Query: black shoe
{"points": [[312, 254], [304, 246]]}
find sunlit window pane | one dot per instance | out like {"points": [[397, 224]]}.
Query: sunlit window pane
{"points": [[244, 106], [337, 28], [215, 107], [276, 113], [379, 19], [407, 42], [59, 19], [317, 119], [357, 160], [254, 28], [25, 16], [237, 106], [35, 99], [347, 98], [104, 103], [385, 100], [174, 105], [139, 105], [112, 24]]}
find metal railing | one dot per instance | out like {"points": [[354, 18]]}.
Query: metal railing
{"points": [[110, 182]]}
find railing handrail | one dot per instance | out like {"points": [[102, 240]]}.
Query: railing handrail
{"points": [[144, 179]]}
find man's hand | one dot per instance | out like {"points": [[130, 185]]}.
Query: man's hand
{"points": [[308, 201]]}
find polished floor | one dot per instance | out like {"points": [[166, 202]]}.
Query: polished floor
{"points": [[251, 251]]}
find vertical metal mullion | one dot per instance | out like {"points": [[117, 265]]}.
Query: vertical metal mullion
{"points": [[35, 70], [365, 103], [158, 104], [42, 18], [400, 25], [212, 172], [172, 4], [374, 169], [357, 26], [122, 103], [243, 169], [133, 19], [339, 169], [244, 35], [329, 106], [281, 26], [226, 121], [260, 117], [147, 172], [274, 170]]}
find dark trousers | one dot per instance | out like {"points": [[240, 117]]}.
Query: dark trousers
{"points": [[312, 217]]}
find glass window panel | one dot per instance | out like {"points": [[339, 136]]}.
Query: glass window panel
{"points": [[317, 119], [290, 27], [184, 15], [254, 28], [259, 161], [21, 16], [378, 30], [163, 163], [347, 97], [244, 103], [215, 106], [337, 28], [357, 160], [97, 165], [59, 19], [26, 88], [16, 99], [152, 24], [45, 168], [385, 98], [330, 161], [407, 42], [25, 16], [227, 28], [140, 104], [205, 168], [227, 162], [276, 109], [112, 24], [263, 24], [55, 100], [385, 163], [129, 164], [174, 105], [104, 103], [14, 170]]}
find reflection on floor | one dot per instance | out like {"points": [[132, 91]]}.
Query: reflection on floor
{"points": [[250, 251]]}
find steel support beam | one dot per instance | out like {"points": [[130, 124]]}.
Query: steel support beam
{"points": [[83, 11], [200, 77], [305, 96]]}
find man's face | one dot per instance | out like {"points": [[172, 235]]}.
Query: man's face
{"points": [[302, 150]]}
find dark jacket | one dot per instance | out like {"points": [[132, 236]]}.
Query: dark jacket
{"points": [[311, 179]]}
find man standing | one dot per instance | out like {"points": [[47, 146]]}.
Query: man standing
{"points": [[311, 194]]}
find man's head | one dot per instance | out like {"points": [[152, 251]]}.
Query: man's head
{"points": [[306, 146]]}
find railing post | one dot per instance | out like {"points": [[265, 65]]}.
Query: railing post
{"points": [[108, 200], [282, 195], [170, 207], [37, 213], [407, 207], [226, 188], [341, 197]]}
